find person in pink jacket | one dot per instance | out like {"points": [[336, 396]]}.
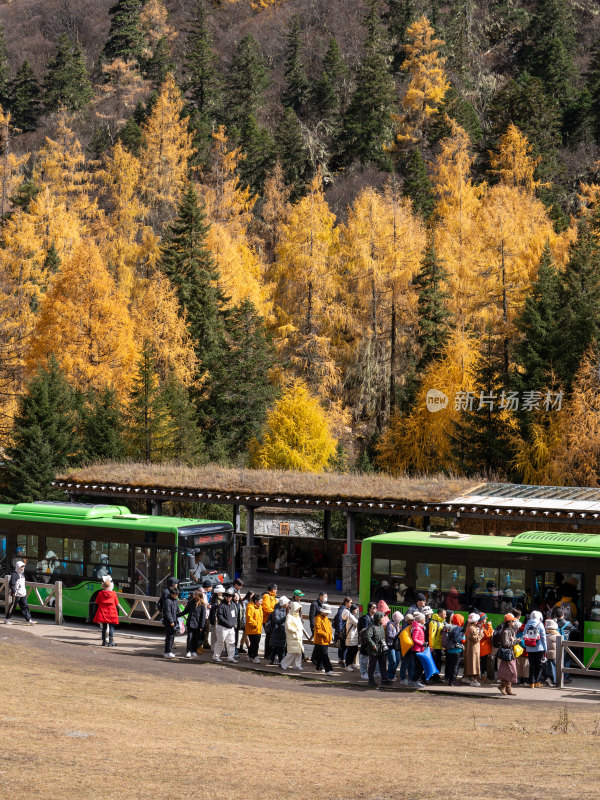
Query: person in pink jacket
{"points": [[417, 632]]}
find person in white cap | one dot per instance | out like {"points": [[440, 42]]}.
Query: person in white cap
{"points": [[216, 598], [226, 619], [473, 637], [277, 629], [18, 595], [322, 637], [294, 632]]}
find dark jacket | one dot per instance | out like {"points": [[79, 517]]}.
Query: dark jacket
{"points": [[375, 640], [215, 603], [278, 627], [339, 624], [166, 593], [196, 614], [170, 611], [227, 615], [312, 613], [366, 621]]}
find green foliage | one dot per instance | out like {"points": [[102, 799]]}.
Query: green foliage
{"points": [[296, 91], [593, 86], [417, 184], [246, 83], [259, 151], [5, 73], [434, 316], [203, 77], [67, 82], [147, 423], [125, 38], [291, 152], [25, 99], [480, 443], [398, 16], [329, 90], [186, 440], [102, 427], [160, 63], [454, 106], [44, 438]]}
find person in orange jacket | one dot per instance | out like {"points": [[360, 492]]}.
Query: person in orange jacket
{"points": [[269, 601], [253, 626], [323, 637], [485, 646]]}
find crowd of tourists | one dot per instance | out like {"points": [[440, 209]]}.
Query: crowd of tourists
{"points": [[424, 645]]}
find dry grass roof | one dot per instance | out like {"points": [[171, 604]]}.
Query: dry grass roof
{"points": [[325, 485]]}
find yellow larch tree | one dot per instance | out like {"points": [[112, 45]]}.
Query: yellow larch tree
{"points": [[538, 455], [85, 323], [514, 164], [420, 442], [274, 210], [381, 247], [297, 434], [154, 19], [11, 165], [229, 209], [427, 85], [165, 153], [308, 306], [457, 234], [118, 94]]}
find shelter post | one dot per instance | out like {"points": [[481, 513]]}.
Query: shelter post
{"points": [[250, 551], [349, 558], [236, 519], [327, 524]]}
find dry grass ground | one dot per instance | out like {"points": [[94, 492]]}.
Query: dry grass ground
{"points": [[328, 485], [79, 722]]}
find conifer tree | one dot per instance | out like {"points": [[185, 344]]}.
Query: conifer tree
{"points": [[186, 441], [400, 14], [259, 154], [417, 184], [579, 318], [67, 81], [593, 85], [480, 442], [297, 434], [295, 93], [102, 426], [160, 63], [434, 316], [246, 82], [5, 73], [291, 151], [538, 326], [329, 91], [367, 125], [148, 423], [44, 439], [25, 99], [125, 38], [204, 80], [52, 261]]}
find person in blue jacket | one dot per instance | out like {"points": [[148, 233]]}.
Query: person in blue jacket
{"points": [[534, 641]]}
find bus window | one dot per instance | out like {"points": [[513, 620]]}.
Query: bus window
{"points": [[453, 585], [428, 577], [69, 553], [485, 593], [512, 589], [28, 551], [594, 614], [163, 568], [141, 570], [381, 567], [109, 558]]}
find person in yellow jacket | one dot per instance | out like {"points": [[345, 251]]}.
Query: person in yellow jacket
{"points": [[436, 627], [269, 601], [323, 637], [253, 626]]}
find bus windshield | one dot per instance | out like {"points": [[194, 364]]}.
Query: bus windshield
{"points": [[204, 554]]}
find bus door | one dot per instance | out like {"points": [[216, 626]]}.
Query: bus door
{"points": [[142, 570], [549, 587]]}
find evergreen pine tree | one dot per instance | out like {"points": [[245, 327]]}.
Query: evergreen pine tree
{"points": [[368, 121], [455, 107], [187, 443], [329, 91], [259, 154], [399, 15], [125, 38], [593, 86], [67, 81], [417, 184], [5, 74], [148, 432], [131, 133], [291, 152], [44, 438], [480, 442], [295, 93], [160, 63], [247, 80], [434, 316], [52, 260], [536, 351], [102, 427], [25, 99], [579, 318], [204, 80], [244, 389]]}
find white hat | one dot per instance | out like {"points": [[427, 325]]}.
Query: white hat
{"points": [[551, 625], [418, 617], [51, 554], [427, 611], [19, 564], [106, 580], [218, 589], [473, 618], [294, 606], [325, 609], [283, 600], [384, 583]]}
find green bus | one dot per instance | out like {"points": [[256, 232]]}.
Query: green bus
{"points": [[79, 543], [491, 573]]}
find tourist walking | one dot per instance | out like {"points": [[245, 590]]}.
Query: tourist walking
{"points": [[196, 614], [170, 612], [294, 631], [277, 630], [376, 648], [473, 636], [365, 622], [507, 669], [18, 595], [254, 626], [534, 639], [323, 637], [392, 631], [269, 601], [226, 619], [107, 614], [454, 638], [351, 636]]}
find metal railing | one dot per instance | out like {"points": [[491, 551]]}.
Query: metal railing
{"points": [[577, 664], [37, 600]]}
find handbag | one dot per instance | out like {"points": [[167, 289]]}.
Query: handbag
{"points": [[506, 654], [517, 650]]}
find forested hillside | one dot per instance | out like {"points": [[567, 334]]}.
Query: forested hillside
{"points": [[282, 233]]}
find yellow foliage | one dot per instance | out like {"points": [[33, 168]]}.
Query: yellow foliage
{"points": [[427, 85], [514, 164], [297, 434], [85, 323], [276, 197], [11, 166], [225, 199], [154, 22], [117, 95], [166, 151], [537, 457], [420, 441]]}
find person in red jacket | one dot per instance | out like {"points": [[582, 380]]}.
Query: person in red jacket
{"points": [[417, 632], [106, 611]]}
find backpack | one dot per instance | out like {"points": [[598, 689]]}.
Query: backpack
{"points": [[531, 636], [445, 638], [497, 636]]}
